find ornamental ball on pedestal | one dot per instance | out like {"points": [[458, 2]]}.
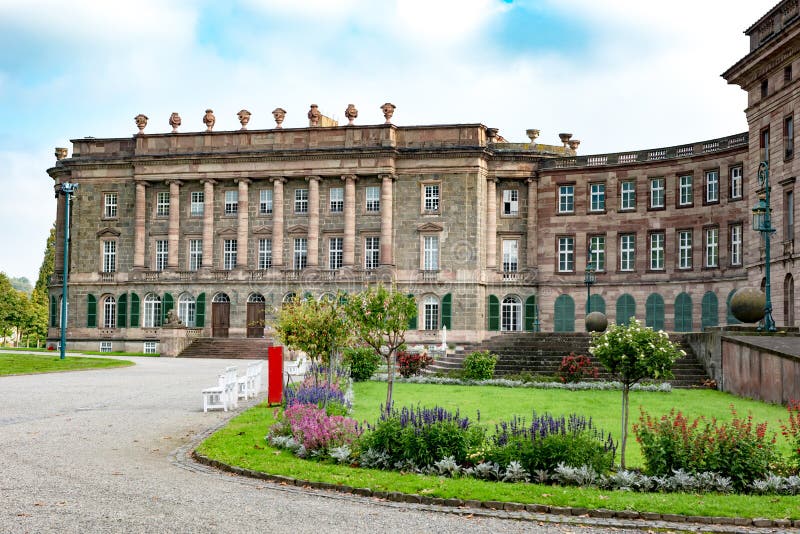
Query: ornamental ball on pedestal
{"points": [[596, 322], [747, 305]]}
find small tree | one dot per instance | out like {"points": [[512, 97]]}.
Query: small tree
{"points": [[379, 319], [632, 352]]}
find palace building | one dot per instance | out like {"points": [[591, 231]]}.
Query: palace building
{"points": [[487, 235]]}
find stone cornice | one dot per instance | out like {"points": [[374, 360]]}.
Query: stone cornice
{"points": [[430, 227], [108, 232]]}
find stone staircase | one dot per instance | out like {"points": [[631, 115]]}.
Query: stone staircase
{"points": [[227, 348]]}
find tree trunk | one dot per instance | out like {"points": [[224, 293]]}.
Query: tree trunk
{"points": [[389, 381], [624, 440]]}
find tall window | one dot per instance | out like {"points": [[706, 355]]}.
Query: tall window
{"points": [[187, 310], [231, 202], [566, 199], [197, 203], [510, 312], [712, 247], [229, 249], [109, 312], [195, 254], [597, 252], [627, 199], [712, 187], [657, 251], [152, 311], [685, 249], [162, 254], [110, 205], [335, 252], [300, 253], [627, 252], [597, 194], [431, 313], [566, 254], [301, 200], [788, 216], [336, 199], [373, 196], [265, 254], [265, 202], [372, 252], [788, 137], [736, 244], [736, 182], [510, 202], [657, 192], [510, 255], [430, 254], [685, 191], [764, 144], [431, 197], [109, 256], [162, 204]]}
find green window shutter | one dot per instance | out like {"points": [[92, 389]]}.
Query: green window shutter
{"points": [[53, 310], [654, 312], [134, 310], [167, 304], [494, 313], [710, 310], [530, 313], [200, 311], [598, 304], [564, 320], [91, 311], [626, 308], [447, 311], [412, 321], [731, 318], [122, 311], [683, 313]]}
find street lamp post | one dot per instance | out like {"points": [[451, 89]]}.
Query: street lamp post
{"points": [[67, 189], [762, 222], [589, 279]]}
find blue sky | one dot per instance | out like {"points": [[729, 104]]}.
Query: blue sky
{"points": [[618, 74]]}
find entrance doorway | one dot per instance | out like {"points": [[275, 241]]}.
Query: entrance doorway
{"points": [[220, 315], [255, 315]]}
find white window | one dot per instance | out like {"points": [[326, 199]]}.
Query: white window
{"points": [[627, 251], [265, 202], [335, 252], [162, 254], [336, 195], [105, 346], [597, 194], [627, 196], [685, 190], [510, 255], [300, 253], [109, 256], [110, 205], [372, 252], [566, 254], [150, 347], [265, 254], [229, 250], [431, 313], [712, 186], [373, 196], [736, 244], [597, 252], [566, 199], [187, 310], [685, 249], [657, 251], [198, 203], [656, 192], [736, 182], [109, 312], [152, 311], [510, 312], [301, 200], [195, 254], [510, 202], [231, 202], [430, 259], [162, 203], [431, 197], [712, 247]]}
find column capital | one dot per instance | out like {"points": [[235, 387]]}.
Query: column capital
{"points": [[313, 178], [143, 183], [346, 177], [242, 180], [492, 179], [532, 179], [173, 181], [387, 176], [205, 181], [275, 179]]}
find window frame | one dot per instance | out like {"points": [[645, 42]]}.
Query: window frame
{"points": [[510, 256], [109, 312], [336, 205], [372, 199], [601, 195], [266, 202], [161, 255], [655, 248], [565, 254], [711, 247], [627, 264], [151, 311], [685, 247], [187, 310], [733, 180], [197, 203], [195, 254], [430, 254], [162, 204], [264, 253], [595, 256], [335, 254], [623, 193], [431, 311], [110, 205], [708, 189], [736, 245], [431, 197], [109, 256], [299, 253], [510, 202], [230, 254], [685, 200], [788, 137], [372, 252], [662, 182], [566, 199], [231, 202]]}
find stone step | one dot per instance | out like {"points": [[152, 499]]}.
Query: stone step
{"points": [[228, 348]]}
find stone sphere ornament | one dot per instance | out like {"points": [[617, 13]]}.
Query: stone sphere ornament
{"points": [[748, 304], [596, 322]]}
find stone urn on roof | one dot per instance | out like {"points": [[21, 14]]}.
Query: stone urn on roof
{"points": [[209, 119], [351, 113]]}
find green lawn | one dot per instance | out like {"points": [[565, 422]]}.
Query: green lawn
{"points": [[20, 364]]}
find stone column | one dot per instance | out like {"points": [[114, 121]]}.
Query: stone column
{"points": [[386, 219], [349, 244], [277, 221], [313, 220], [531, 259], [139, 222], [491, 223], [243, 219], [174, 223], [208, 223]]}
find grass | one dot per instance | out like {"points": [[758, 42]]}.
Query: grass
{"points": [[21, 364]]}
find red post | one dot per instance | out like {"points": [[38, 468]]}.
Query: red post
{"points": [[275, 387]]}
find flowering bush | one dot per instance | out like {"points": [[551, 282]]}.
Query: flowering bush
{"points": [[574, 368], [412, 363], [315, 430], [791, 430]]}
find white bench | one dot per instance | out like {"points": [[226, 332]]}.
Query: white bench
{"points": [[223, 395], [296, 369], [249, 384]]}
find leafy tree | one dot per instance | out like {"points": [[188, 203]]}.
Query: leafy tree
{"points": [[9, 307], [631, 353], [379, 318], [46, 269], [21, 284]]}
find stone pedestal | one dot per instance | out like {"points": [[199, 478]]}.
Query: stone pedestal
{"points": [[172, 340]]}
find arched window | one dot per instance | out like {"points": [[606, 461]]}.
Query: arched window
{"points": [[152, 311], [710, 310], [256, 297], [564, 314], [289, 297], [731, 318], [510, 314], [788, 300], [654, 312], [187, 310], [327, 297], [597, 304], [109, 312], [222, 297], [430, 312], [626, 308], [683, 313]]}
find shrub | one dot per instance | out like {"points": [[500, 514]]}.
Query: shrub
{"points": [[412, 363], [791, 430], [479, 365], [362, 362], [315, 430], [575, 368]]}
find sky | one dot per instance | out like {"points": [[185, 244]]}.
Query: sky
{"points": [[618, 74]]}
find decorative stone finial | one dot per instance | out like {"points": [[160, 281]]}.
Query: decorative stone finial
{"points": [[573, 144], [491, 134], [244, 118], [141, 122], [565, 137], [61, 153], [351, 113], [174, 121], [279, 114], [209, 119], [314, 116], [532, 135], [388, 110]]}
